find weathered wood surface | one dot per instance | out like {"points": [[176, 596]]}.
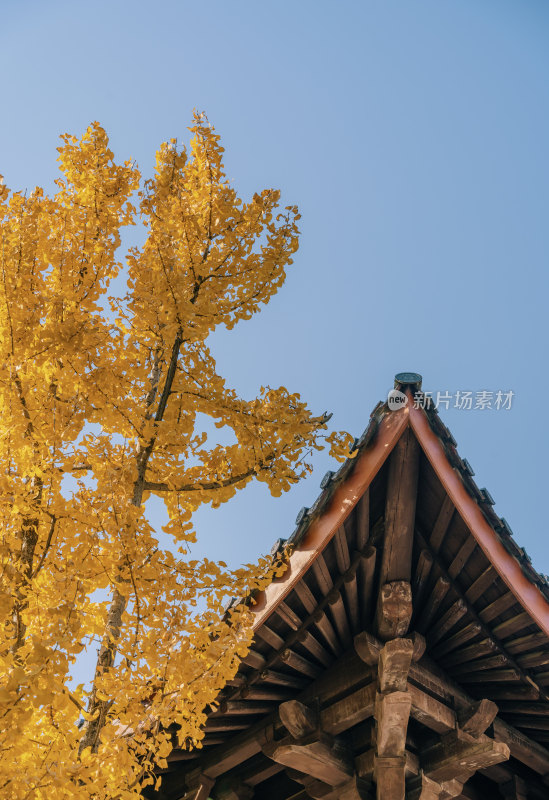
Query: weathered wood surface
{"points": [[458, 757], [349, 711], [394, 664], [478, 717], [392, 712], [390, 778], [394, 610], [442, 523], [298, 719], [400, 511], [319, 758]]}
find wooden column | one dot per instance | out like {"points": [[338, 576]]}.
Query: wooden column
{"points": [[392, 711]]}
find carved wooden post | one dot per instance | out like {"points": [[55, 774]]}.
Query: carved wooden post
{"points": [[392, 711]]}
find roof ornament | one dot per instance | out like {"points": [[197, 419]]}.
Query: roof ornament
{"points": [[411, 379]]}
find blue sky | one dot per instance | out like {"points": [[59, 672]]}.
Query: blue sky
{"points": [[414, 138]]}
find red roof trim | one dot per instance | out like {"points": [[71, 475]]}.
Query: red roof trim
{"points": [[509, 569]]}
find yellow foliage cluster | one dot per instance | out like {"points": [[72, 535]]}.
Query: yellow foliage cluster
{"points": [[99, 411]]}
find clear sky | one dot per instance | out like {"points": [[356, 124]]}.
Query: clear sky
{"points": [[413, 135]]}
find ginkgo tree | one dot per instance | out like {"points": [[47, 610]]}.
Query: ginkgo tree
{"points": [[102, 398]]}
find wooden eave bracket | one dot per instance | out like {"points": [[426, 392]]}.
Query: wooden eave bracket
{"points": [[368, 648]]}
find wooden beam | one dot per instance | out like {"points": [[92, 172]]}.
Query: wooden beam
{"points": [[394, 610], [349, 711], [318, 617], [281, 679], [433, 603], [522, 747], [465, 654], [343, 559], [442, 523], [365, 573], [363, 520], [446, 622], [400, 511], [501, 631], [479, 586], [258, 769], [392, 712], [431, 712], [458, 756], [421, 579], [339, 615], [353, 602]]}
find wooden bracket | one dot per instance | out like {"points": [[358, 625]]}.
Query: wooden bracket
{"points": [[458, 756], [394, 665], [477, 717], [368, 648], [298, 719], [320, 756]]}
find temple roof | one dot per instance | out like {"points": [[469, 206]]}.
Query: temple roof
{"points": [[404, 510]]}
